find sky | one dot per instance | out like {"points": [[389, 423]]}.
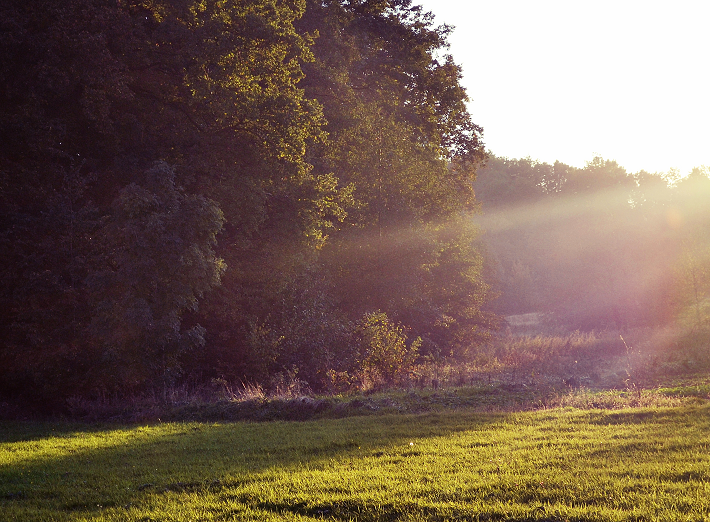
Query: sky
{"points": [[569, 80]]}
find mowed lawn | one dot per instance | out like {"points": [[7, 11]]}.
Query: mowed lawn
{"points": [[564, 464]]}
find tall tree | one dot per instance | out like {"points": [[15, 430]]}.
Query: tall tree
{"points": [[402, 138], [95, 233], [178, 181]]}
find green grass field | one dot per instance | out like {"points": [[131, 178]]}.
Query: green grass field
{"points": [[643, 463]]}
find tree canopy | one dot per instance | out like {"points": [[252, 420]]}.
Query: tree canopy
{"points": [[198, 189], [595, 247]]}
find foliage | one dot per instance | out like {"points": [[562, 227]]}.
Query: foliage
{"points": [[693, 275], [602, 249], [94, 94], [181, 184], [401, 137], [162, 262], [508, 182], [196, 190], [385, 354]]}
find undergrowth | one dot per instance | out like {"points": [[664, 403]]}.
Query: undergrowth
{"points": [[583, 370]]}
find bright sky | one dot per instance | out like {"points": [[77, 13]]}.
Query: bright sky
{"points": [[568, 79]]}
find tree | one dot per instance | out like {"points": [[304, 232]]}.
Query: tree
{"points": [[179, 178], [691, 221], [159, 263], [93, 94], [507, 182], [385, 355], [599, 250], [401, 137]]}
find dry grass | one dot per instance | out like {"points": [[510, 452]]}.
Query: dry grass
{"points": [[640, 358], [582, 370]]}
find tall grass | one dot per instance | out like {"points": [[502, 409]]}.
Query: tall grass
{"points": [[597, 360], [510, 372]]}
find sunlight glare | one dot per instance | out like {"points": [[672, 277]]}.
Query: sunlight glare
{"points": [[557, 80]]}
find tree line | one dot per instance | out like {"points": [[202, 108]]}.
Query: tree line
{"points": [[209, 189], [597, 247]]}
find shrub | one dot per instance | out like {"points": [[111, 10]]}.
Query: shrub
{"points": [[385, 356]]}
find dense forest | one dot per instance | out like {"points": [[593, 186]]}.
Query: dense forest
{"points": [[193, 190], [597, 247], [245, 190]]}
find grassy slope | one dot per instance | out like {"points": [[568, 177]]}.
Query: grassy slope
{"points": [[645, 463]]}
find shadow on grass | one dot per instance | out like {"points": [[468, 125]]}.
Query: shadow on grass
{"points": [[78, 472], [28, 431], [86, 470]]}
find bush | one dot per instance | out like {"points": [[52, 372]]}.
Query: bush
{"points": [[385, 357]]}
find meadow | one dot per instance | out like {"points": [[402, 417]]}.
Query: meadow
{"points": [[543, 429], [644, 463]]}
